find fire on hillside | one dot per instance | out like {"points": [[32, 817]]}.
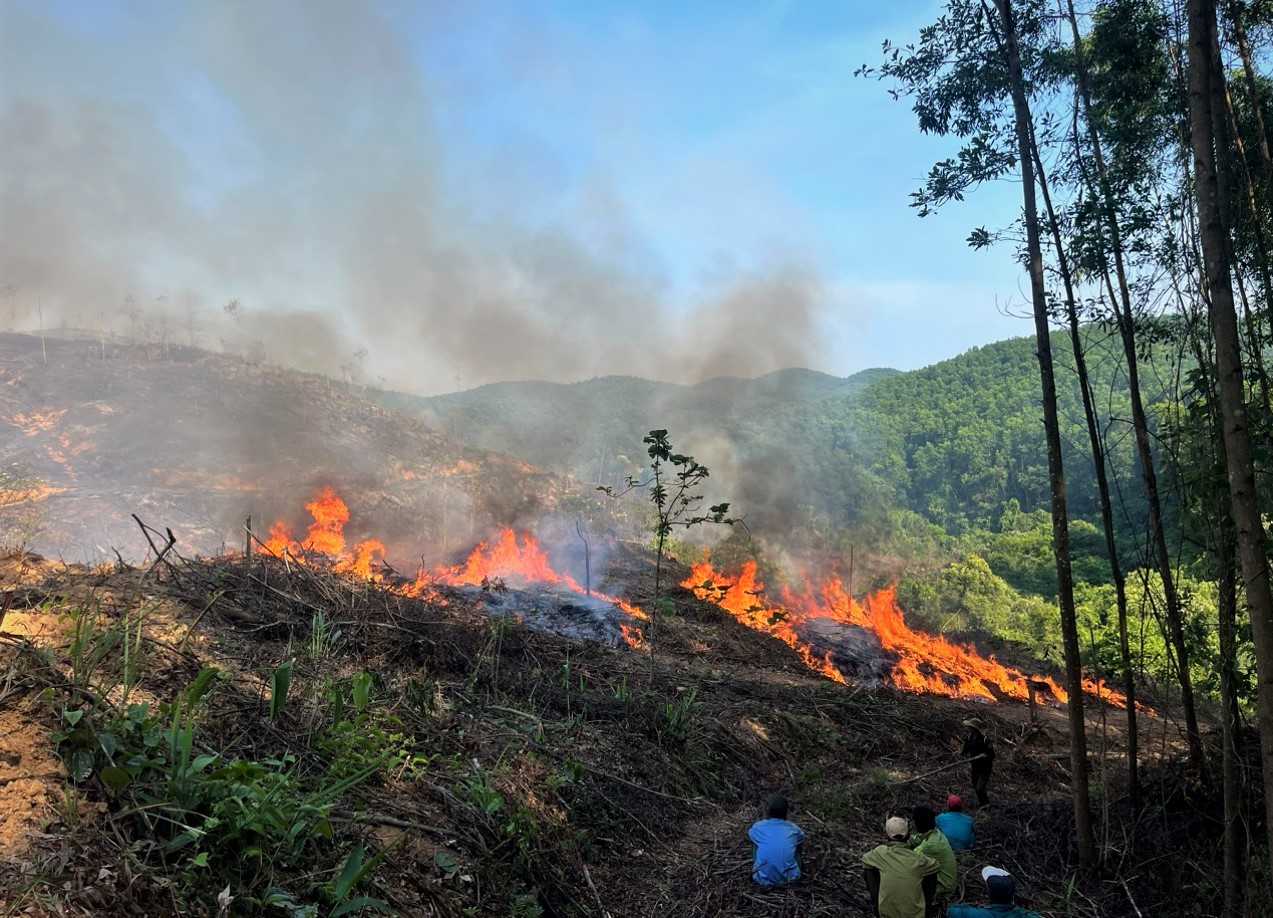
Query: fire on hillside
{"points": [[515, 576], [836, 635]]}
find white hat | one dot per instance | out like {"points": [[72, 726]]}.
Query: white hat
{"points": [[896, 827], [988, 872]]}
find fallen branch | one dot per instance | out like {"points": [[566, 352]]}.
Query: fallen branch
{"points": [[31, 777], [640, 787], [596, 895], [377, 819], [198, 618], [161, 556], [1135, 907], [936, 771]]}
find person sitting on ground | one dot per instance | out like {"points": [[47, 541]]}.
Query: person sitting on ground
{"points": [[930, 840], [978, 748], [956, 825], [901, 881], [775, 846], [1001, 888]]}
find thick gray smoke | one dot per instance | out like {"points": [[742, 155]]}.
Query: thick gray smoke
{"points": [[301, 158]]}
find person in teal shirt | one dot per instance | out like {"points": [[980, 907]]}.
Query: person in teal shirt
{"points": [[956, 825], [1001, 888], [776, 846]]}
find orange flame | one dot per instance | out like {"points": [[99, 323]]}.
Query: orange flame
{"points": [[503, 559], [925, 663], [522, 565]]}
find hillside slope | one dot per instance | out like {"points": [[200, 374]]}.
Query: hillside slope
{"points": [[495, 769], [198, 441]]}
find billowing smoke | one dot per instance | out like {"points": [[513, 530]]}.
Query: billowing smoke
{"points": [[302, 159]]}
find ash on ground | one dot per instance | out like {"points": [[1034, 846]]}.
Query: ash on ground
{"points": [[855, 651], [554, 611]]}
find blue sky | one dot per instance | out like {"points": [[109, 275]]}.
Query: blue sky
{"points": [[483, 190]]}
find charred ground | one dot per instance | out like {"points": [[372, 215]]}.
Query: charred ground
{"points": [[498, 769], [101, 430]]}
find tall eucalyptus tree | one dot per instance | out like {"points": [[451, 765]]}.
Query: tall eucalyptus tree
{"points": [[967, 76], [1208, 150]]}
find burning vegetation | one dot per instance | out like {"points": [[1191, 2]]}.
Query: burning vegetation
{"points": [[394, 745], [835, 634]]}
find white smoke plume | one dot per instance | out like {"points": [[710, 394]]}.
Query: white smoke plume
{"points": [[300, 157]]}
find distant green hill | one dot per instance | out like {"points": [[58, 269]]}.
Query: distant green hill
{"points": [[563, 426], [807, 456]]}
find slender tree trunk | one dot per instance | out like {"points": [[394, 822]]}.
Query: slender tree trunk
{"points": [[1056, 474], [1225, 125], [1234, 849], [1226, 561], [1102, 478], [1233, 415], [1248, 71], [1140, 422], [1123, 311]]}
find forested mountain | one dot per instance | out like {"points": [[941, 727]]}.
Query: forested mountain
{"points": [[810, 455]]}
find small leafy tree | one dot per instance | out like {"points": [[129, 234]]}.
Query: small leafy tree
{"points": [[674, 489]]}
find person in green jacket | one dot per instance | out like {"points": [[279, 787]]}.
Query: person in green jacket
{"points": [[900, 879], [930, 840]]}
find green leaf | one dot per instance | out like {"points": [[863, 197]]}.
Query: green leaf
{"points": [[280, 679], [351, 873], [200, 685], [114, 777], [72, 716], [81, 764], [200, 859], [362, 690]]}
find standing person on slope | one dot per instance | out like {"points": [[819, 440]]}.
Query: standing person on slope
{"points": [[979, 748]]}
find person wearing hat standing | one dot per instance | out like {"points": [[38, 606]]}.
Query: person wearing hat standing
{"points": [[1001, 889], [956, 825], [979, 748], [901, 881]]}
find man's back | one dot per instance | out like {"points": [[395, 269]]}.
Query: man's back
{"points": [[935, 845], [901, 875], [776, 860], [957, 827]]}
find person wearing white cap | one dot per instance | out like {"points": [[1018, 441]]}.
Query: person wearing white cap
{"points": [[1000, 888], [901, 881]]}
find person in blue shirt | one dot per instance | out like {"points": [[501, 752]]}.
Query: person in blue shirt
{"points": [[956, 825], [776, 846]]}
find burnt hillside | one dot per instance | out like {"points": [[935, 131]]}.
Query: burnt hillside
{"points": [[197, 441], [475, 766]]}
